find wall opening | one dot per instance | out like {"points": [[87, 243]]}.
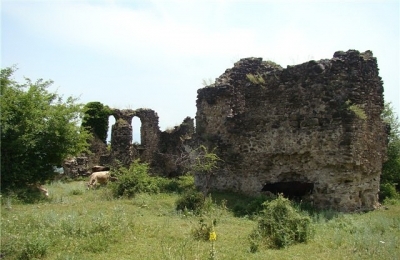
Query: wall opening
{"points": [[290, 189], [136, 130], [111, 122]]}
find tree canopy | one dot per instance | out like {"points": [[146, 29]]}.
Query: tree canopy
{"points": [[39, 129], [95, 119], [391, 168]]}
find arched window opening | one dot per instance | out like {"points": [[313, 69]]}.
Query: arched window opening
{"points": [[111, 122], [136, 130]]}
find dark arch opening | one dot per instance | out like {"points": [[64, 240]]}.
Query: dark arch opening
{"points": [[290, 189]]}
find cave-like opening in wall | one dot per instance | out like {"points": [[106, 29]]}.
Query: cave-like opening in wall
{"points": [[290, 189]]}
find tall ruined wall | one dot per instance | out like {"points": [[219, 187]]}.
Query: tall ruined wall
{"points": [[121, 136], [149, 134], [171, 155], [317, 122]]}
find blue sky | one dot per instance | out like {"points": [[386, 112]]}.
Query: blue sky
{"points": [[155, 54]]}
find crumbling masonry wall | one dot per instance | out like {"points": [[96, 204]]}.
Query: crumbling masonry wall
{"points": [[317, 122], [161, 150], [122, 149]]}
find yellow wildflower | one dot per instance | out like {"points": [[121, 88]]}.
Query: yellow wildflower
{"points": [[213, 236]]}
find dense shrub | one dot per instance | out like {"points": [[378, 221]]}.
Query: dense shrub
{"points": [[391, 168], [134, 180], [388, 190], [192, 200], [26, 195], [203, 229], [178, 185], [281, 225], [251, 207]]}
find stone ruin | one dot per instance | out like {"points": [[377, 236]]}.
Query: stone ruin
{"points": [[316, 124]]}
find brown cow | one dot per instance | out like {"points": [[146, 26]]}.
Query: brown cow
{"points": [[98, 177]]}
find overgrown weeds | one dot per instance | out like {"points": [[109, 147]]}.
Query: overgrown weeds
{"points": [[94, 225], [281, 225]]}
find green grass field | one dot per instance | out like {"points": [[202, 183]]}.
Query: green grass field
{"points": [[78, 224]]}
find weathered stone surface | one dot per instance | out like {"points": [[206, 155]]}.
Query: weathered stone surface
{"points": [[297, 125], [75, 167], [316, 124], [171, 148], [121, 137]]}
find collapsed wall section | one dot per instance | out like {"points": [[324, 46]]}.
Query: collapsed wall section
{"points": [[317, 122]]}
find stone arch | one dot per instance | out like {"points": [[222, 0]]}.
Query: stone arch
{"points": [[149, 133]]}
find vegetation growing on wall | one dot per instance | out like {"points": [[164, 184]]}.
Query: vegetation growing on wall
{"points": [[255, 79], [38, 130], [356, 109]]}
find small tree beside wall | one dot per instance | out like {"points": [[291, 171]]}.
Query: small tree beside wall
{"points": [[202, 163]]}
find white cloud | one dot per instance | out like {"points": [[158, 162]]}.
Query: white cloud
{"points": [[131, 34]]}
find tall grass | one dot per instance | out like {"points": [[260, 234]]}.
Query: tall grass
{"points": [[78, 224]]}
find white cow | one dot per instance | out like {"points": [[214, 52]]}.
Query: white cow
{"points": [[98, 177]]}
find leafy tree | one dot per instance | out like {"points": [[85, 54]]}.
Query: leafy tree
{"points": [[95, 119], [391, 168], [38, 130], [203, 163]]}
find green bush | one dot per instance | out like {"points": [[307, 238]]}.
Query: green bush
{"points": [[388, 191], [134, 180], [192, 200], [25, 195], [178, 185], [281, 225], [203, 229], [249, 208]]}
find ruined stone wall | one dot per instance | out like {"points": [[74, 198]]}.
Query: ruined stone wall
{"points": [[121, 137], [171, 156], [161, 150], [149, 134], [317, 122]]}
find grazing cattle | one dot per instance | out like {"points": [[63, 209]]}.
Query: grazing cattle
{"points": [[100, 177], [40, 188], [44, 191], [290, 189]]}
